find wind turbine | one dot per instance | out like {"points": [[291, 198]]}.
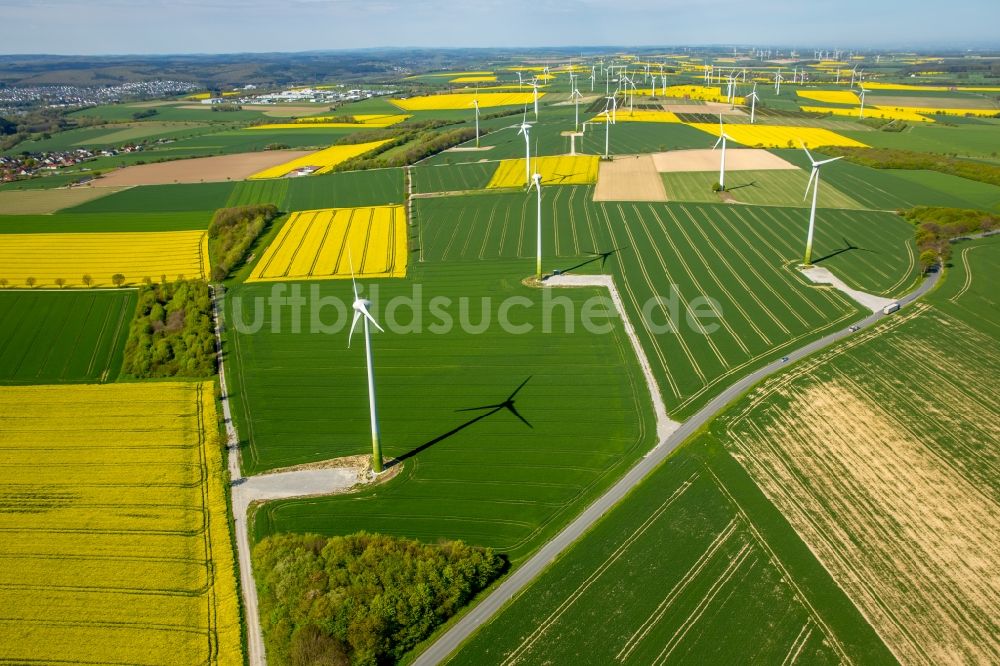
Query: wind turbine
{"points": [[536, 182], [854, 73], [814, 183], [534, 87], [524, 129], [722, 164], [778, 78], [361, 306], [475, 103], [520, 80], [593, 77], [753, 104], [862, 96]]}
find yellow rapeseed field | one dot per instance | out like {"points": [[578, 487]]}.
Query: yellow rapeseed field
{"points": [[325, 159], [830, 96], [361, 121], [555, 170], [452, 101], [321, 244], [116, 549], [779, 136], [485, 78], [701, 93], [871, 112], [983, 113], [70, 256], [640, 116]]}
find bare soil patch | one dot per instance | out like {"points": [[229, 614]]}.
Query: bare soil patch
{"points": [[43, 202], [737, 159], [201, 169], [930, 102], [629, 178]]}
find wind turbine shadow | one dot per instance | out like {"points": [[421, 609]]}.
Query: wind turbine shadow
{"points": [[752, 183], [848, 246], [598, 256], [488, 411]]}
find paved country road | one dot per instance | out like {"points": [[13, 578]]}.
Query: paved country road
{"points": [[531, 569]]}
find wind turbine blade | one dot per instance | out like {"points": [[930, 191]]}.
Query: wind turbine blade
{"points": [[832, 159], [811, 160], [354, 324], [812, 179], [368, 315], [717, 142]]}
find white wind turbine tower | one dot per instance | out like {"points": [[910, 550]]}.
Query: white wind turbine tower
{"points": [[778, 78], [536, 182], [361, 306], [753, 102], [609, 120], [593, 77], [723, 137], [520, 80], [862, 96], [854, 73], [814, 183], [525, 129], [576, 97], [475, 103], [534, 88]]}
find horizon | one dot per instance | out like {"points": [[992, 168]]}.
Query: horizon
{"points": [[224, 27]]}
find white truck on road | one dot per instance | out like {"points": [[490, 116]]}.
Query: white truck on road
{"points": [[889, 309]]}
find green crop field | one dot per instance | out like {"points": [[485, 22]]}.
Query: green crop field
{"points": [[161, 199], [742, 257], [967, 193], [892, 189], [103, 222], [346, 189], [114, 135], [48, 337], [692, 567], [966, 140], [471, 470], [453, 178], [767, 188], [909, 401]]}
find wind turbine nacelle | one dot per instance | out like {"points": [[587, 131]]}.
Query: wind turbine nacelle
{"points": [[361, 304]]}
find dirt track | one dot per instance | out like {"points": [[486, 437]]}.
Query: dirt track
{"points": [[200, 169]]}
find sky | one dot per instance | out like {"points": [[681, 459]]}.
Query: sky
{"points": [[88, 27]]}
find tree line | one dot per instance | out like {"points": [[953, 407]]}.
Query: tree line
{"points": [[232, 232], [936, 227], [363, 599], [889, 158]]}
